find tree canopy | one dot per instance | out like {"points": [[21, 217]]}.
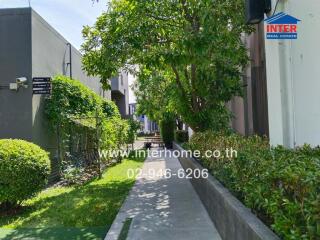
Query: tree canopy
{"points": [[189, 54]]}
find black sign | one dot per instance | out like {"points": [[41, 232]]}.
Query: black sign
{"points": [[41, 85], [41, 79], [41, 91]]}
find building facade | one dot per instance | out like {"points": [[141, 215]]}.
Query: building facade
{"points": [[293, 78], [120, 92], [29, 48], [282, 80], [250, 112]]}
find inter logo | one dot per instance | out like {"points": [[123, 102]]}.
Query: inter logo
{"points": [[282, 26]]}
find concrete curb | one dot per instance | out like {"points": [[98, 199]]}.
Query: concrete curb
{"points": [[232, 219], [117, 225]]}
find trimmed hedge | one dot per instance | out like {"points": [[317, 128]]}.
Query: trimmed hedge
{"points": [[24, 170], [167, 127], [282, 186], [181, 136]]}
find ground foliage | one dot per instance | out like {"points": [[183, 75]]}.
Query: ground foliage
{"points": [[280, 185]]}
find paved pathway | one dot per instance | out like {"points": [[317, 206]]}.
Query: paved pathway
{"points": [[163, 208]]}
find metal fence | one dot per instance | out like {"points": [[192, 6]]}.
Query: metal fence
{"points": [[77, 148]]}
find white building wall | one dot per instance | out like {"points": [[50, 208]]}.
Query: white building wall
{"points": [[146, 124], [293, 78]]}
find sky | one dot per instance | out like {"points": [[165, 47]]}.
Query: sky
{"points": [[68, 17]]}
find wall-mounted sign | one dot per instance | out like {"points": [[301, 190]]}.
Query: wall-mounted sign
{"points": [[282, 26], [41, 79], [36, 92], [41, 85]]}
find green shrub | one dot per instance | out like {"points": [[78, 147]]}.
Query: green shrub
{"points": [[70, 98], [167, 127], [110, 109], [24, 169], [181, 136], [75, 108], [280, 185], [122, 130], [134, 126]]}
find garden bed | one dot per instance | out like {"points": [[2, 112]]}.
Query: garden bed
{"points": [[279, 185], [231, 218]]}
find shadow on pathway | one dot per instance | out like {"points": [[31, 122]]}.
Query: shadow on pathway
{"points": [[163, 208]]}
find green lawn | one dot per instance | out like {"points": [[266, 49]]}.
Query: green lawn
{"points": [[141, 138], [84, 212]]}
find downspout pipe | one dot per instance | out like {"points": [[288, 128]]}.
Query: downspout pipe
{"points": [[70, 59]]}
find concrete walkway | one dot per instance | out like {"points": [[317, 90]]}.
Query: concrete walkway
{"points": [[163, 208]]}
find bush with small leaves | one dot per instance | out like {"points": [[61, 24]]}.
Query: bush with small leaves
{"points": [[167, 127], [24, 170], [280, 185]]}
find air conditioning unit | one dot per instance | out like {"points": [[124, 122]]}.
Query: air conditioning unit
{"points": [[255, 10]]}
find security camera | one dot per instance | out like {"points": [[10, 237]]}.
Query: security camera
{"points": [[22, 82]]}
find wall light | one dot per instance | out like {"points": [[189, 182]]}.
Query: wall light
{"points": [[255, 10]]}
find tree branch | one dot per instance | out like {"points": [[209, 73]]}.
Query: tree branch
{"points": [[186, 12], [193, 87], [177, 78]]}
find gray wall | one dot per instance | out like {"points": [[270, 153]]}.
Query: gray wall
{"points": [[15, 61], [50, 56], [30, 47], [120, 92]]}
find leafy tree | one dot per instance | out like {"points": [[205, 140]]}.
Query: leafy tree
{"points": [[154, 94], [195, 46]]}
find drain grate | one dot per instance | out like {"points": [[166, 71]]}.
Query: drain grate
{"points": [[125, 229]]}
